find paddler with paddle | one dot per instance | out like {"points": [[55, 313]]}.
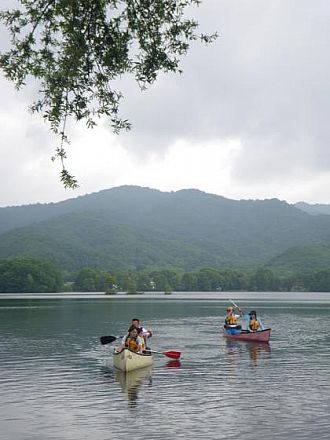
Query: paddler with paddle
{"points": [[132, 341], [143, 332], [254, 324], [231, 319]]}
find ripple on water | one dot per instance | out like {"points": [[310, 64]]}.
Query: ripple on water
{"points": [[61, 383]]}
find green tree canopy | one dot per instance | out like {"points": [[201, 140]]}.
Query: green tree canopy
{"points": [[318, 281], [94, 280], [264, 279], [77, 48], [25, 274]]}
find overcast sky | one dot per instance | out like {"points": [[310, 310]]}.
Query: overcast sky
{"points": [[247, 119]]}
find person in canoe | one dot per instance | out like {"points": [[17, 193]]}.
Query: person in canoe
{"points": [[140, 334], [143, 332], [254, 322], [132, 341], [254, 325], [231, 319]]}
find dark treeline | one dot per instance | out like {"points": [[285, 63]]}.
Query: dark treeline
{"points": [[203, 280], [25, 274]]}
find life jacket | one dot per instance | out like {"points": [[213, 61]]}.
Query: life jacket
{"points": [[143, 342], [231, 320], [132, 344], [254, 325]]}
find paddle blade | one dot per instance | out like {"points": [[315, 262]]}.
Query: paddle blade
{"points": [[172, 354], [107, 339]]}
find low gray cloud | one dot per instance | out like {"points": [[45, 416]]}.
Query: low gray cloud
{"points": [[264, 81]]}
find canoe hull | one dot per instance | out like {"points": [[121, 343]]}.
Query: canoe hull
{"points": [[259, 336], [127, 360]]}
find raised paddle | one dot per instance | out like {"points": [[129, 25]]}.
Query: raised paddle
{"points": [[259, 320], [234, 304]]}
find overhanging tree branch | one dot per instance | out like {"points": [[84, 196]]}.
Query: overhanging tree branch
{"points": [[75, 49]]}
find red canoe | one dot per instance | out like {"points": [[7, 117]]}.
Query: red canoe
{"points": [[244, 335]]}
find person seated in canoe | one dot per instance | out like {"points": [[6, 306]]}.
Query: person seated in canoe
{"points": [[254, 325], [140, 334], [132, 341], [231, 319], [144, 333]]}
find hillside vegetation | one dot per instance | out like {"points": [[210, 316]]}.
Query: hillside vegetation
{"points": [[135, 228]]}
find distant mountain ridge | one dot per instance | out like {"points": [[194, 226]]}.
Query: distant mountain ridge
{"points": [[130, 227], [314, 209]]}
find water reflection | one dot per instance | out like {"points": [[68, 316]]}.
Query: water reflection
{"points": [[173, 364], [256, 350], [58, 382], [236, 350], [131, 382]]}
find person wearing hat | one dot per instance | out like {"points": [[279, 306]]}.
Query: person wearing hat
{"points": [[231, 319], [253, 322]]}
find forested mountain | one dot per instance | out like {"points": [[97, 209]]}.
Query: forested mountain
{"points": [[132, 227], [301, 259], [317, 208]]}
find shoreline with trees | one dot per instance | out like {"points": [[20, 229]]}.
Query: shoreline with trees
{"points": [[25, 274]]}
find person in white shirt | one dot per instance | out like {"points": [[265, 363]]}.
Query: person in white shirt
{"points": [[146, 334]]}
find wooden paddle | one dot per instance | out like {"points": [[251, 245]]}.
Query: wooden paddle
{"points": [[170, 354], [259, 320], [234, 304]]}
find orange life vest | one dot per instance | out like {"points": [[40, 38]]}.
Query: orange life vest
{"points": [[132, 344], [254, 325], [231, 320]]}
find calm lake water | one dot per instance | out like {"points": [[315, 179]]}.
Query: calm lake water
{"points": [[57, 381]]}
